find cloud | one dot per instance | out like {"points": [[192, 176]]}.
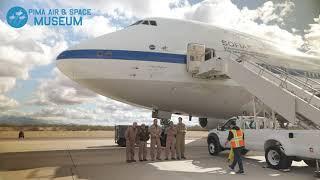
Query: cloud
{"points": [[127, 8], [61, 91], [265, 21], [7, 103], [21, 50], [63, 99], [312, 37], [262, 22], [101, 110], [271, 12], [93, 27], [122, 113], [6, 83], [64, 113]]}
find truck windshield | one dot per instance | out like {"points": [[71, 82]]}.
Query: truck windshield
{"points": [[227, 125]]}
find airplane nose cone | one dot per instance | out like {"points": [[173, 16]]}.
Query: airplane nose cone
{"points": [[71, 54], [64, 65]]}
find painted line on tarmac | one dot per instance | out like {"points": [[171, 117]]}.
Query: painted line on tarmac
{"points": [[74, 165]]}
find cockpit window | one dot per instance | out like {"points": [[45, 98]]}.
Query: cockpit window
{"points": [[136, 23], [153, 23], [145, 22]]}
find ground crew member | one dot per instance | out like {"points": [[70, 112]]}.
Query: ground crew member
{"points": [[231, 154], [180, 141], [236, 139], [155, 132], [143, 136], [21, 134], [131, 135], [170, 142]]}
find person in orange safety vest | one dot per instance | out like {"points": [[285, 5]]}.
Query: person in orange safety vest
{"points": [[236, 139]]}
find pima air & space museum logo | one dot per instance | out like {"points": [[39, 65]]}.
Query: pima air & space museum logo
{"points": [[17, 17]]}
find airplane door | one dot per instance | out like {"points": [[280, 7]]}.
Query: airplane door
{"points": [[195, 56]]}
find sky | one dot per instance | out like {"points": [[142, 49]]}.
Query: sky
{"points": [[31, 87]]}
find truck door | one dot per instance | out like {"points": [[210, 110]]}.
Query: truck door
{"points": [[250, 133], [254, 136], [224, 132]]}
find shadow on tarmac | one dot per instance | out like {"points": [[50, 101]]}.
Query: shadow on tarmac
{"points": [[108, 162]]}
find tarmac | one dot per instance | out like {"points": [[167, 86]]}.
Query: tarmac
{"points": [[101, 159]]}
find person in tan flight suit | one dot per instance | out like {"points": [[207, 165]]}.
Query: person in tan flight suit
{"points": [[170, 142], [180, 140], [131, 135], [155, 132], [143, 136]]}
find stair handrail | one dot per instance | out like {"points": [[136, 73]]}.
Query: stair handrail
{"points": [[286, 75], [282, 72]]}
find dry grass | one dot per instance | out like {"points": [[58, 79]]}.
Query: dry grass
{"points": [[58, 134], [53, 127], [79, 134]]}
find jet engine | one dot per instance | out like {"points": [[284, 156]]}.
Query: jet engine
{"points": [[211, 123]]}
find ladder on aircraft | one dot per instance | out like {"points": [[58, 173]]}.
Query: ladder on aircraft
{"points": [[291, 97]]}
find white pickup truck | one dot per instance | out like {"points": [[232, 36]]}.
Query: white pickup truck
{"points": [[281, 146]]}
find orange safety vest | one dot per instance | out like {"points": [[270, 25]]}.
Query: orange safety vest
{"points": [[237, 140]]}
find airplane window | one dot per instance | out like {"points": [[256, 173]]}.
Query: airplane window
{"points": [[108, 54], [136, 23], [153, 23], [99, 53], [145, 22]]}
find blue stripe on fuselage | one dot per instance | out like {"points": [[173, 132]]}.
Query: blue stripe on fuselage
{"points": [[123, 54], [158, 57]]}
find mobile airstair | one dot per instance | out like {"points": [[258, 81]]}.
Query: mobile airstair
{"points": [[292, 97]]}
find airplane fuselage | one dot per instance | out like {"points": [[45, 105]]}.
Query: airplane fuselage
{"points": [[145, 65]]}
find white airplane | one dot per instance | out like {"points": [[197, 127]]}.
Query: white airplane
{"points": [[145, 65]]}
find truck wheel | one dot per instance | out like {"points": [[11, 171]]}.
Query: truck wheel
{"points": [[121, 142], [276, 159], [213, 147], [310, 163]]}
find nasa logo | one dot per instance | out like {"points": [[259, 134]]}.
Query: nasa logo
{"points": [[152, 47], [311, 149], [17, 17]]}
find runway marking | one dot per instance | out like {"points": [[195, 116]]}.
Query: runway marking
{"points": [[74, 165]]}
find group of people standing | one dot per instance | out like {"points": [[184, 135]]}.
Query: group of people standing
{"points": [[175, 141]]}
